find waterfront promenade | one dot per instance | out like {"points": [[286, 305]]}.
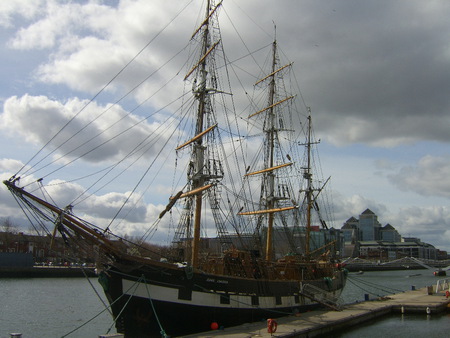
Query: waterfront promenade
{"points": [[406, 263], [46, 272], [323, 322]]}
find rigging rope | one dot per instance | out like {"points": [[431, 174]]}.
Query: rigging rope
{"points": [[360, 287], [142, 145], [140, 180], [161, 329], [375, 286], [96, 95], [107, 309]]}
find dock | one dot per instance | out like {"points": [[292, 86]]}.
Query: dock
{"points": [[429, 301], [46, 272]]}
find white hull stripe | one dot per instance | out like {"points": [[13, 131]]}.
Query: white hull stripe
{"points": [[166, 294]]}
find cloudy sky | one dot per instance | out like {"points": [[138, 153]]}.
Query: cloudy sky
{"points": [[376, 74]]}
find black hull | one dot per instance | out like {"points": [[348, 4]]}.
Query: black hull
{"points": [[180, 319], [150, 300]]}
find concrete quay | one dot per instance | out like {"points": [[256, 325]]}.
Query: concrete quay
{"points": [[46, 272], [323, 322]]}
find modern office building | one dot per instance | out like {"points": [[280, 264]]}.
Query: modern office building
{"points": [[350, 230], [366, 238], [369, 226], [390, 234]]}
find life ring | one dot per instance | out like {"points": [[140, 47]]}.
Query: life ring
{"points": [[271, 325]]}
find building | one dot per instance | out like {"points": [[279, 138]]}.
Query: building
{"points": [[38, 246], [384, 250], [390, 234], [366, 238], [350, 230], [44, 249], [369, 226]]}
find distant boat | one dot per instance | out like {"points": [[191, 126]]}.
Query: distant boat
{"points": [[440, 273], [242, 275]]}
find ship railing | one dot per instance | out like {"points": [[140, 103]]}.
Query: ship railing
{"points": [[320, 295], [443, 285]]}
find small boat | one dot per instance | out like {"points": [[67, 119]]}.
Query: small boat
{"points": [[440, 273]]}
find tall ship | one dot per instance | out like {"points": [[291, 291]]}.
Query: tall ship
{"points": [[247, 238]]}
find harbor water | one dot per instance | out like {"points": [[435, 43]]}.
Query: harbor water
{"points": [[70, 307], [376, 284], [52, 307]]}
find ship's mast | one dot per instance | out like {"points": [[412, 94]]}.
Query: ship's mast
{"points": [[308, 177], [309, 190], [198, 180], [270, 196], [270, 156]]}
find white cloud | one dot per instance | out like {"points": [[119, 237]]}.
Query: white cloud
{"points": [[54, 23], [430, 177], [9, 9], [90, 43], [10, 165], [430, 224], [37, 119], [374, 84], [346, 207], [373, 73], [97, 208]]}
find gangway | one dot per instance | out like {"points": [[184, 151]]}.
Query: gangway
{"points": [[443, 285], [320, 296]]}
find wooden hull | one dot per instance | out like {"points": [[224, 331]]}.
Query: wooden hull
{"points": [[149, 300]]}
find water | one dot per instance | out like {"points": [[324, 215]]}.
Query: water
{"points": [[393, 325], [398, 325], [381, 283], [54, 307]]}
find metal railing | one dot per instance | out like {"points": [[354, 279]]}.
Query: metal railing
{"points": [[320, 295], [443, 285]]}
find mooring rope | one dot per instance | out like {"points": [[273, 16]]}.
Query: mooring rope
{"points": [[161, 329], [129, 299], [376, 286], [106, 309], [95, 290], [360, 287], [371, 285]]}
